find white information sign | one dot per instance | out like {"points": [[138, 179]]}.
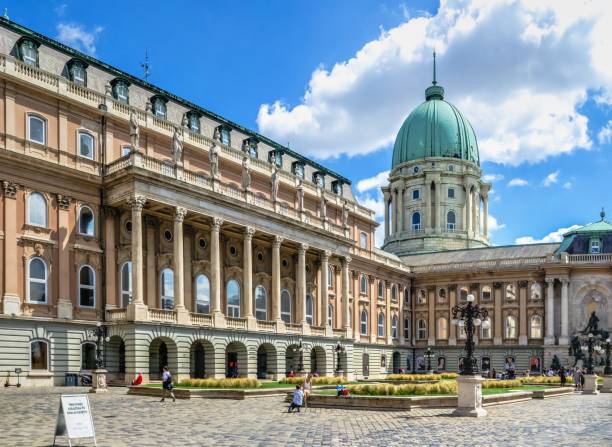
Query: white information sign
{"points": [[74, 418]]}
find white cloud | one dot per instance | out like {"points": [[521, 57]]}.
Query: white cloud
{"points": [[494, 225], [567, 185], [518, 182], [490, 178], [605, 133], [551, 178], [380, 179], [554, 236], [77, 37], [519, 70]]}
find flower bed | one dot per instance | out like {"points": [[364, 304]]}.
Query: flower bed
{"points": [[516, 383], [315, 380], [408, 389], [220, 383], [415, 377]]}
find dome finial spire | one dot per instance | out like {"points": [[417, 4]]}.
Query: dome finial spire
{"points": [[434, 82], [602, 214]]}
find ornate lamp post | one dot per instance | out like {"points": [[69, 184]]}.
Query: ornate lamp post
{"points": [[607, 383], [469, 384], [429, 355], [98, 379], [339, 349]]}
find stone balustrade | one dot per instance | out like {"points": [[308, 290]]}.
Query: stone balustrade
{"points": [[162, 315], [236, 323], [201, 319]]}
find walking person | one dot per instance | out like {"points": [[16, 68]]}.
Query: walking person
{"points": [[562, 376], [298, 399], [167, 385], [576, 378], [307, 389]]}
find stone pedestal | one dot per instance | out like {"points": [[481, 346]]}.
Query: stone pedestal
{"points": [[98, 381], [590, 384], [219, 320], [64, 310], [522, 340], [563, 341], [607, 384], [251, 323], [137, 312], [12, 305], [469, 402], [183, 316], [549, 341]]}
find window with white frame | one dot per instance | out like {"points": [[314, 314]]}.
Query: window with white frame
{"points": [[451, 193], [463, 294], [330, 277], [363, 240], [309, 309], [78, 73], [233, 298], [330, 315], [462, 334], [416, 221], [381, 324], [87, 287], [510, 292], [394, 293], [363, 284], [202, 286], [286, 306], [485, 293], [86, 221], [407, 328], [86, 145], [121, 91], [485, 329], [442, 328], [394, 326], [167, 288], [381, 290], [364, 322], [88, 356], [37, 129], [37, 281], [28, 52], [125, 151], [535, 326], [451, 220], [37, 210], [159, 107], [421, 329], [126, 283], [261, 303], [510, 326], [39, 355], [595, 246]]}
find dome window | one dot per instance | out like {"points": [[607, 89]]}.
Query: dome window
{"points": [[415, 170], [249, 146], [451, 193], [27, 51], [416, 194], [451, 168]]}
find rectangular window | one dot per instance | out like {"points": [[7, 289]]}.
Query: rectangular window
{"points": [[30, 55], [86, 145], [416, 194], [451, 193], [225, 136], [36, 129], [39, 355], [595, 246], [125, 151]]}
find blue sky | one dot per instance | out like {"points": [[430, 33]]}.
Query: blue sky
{"points": [[336, 79]]}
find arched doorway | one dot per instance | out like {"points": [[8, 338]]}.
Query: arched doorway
{"points": [[294, 359], [162, 352], [236, 360], [318, 361], [396, 362], [202, 359], [115, 359], [365, 365], [266, 361]]}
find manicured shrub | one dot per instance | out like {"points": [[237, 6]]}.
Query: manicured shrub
{"points": [[545, 379], [417, 377], [407, 389], [221, 383], [502, 383], [324, 380]]}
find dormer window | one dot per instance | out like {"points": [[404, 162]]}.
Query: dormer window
{"points": [[193, 121], [297, 167], [276, 157], [318, 178], [77, 71], [336, 187], [595, 246], [158, 105], [415, 170], [121, 90], [28, 51], [224, 135], [249, 146]]}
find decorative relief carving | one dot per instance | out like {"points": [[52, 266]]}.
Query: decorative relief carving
{"points": [[137, 202], [63, 201], [216, 223], [10, 189], [179, 214]]}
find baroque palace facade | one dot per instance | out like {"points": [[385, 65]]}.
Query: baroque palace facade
{"points": [[214, 250]]}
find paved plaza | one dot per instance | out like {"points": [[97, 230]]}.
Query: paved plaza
{"points": [[121, 420]]}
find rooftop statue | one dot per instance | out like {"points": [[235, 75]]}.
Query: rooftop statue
{"points": [[213, 158], [177, 146], [275, 179], [134, 131], [246, 173]]}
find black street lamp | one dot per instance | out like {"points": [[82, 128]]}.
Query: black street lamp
{"points": [[338, 350], [593, 346], [100, 332], [469, 316], [428, 355], [606, 349]]}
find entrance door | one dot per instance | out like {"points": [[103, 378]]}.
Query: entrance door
{"points": [[232, 365], [121, 360], [163, 357], [198, 360], [366, 365], [262, 363], [396, 363]]}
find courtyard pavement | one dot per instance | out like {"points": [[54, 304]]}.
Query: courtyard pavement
{"points": [[29, 415]]}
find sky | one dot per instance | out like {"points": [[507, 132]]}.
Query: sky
{"points": [[336, 79]]}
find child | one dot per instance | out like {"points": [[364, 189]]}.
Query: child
{"points": [[298, 398]]}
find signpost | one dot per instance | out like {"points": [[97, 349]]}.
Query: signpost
{"points": [[74, 418]]}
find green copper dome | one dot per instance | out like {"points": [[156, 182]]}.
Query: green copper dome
{"points": [[435, 128]]}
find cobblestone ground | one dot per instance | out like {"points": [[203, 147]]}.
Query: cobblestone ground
{"points": [[28, 419]]}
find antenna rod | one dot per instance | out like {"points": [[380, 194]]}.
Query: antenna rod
{"points": [[434, 68]]}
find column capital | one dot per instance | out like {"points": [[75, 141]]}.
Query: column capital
{"points": [[549, 281], [249, 232], [10, 189], [302, 248], [137, 202], [278, 240], [345, 260], [63, 201], [179, 214], [564, 281], [325, 254], [216, 223]]}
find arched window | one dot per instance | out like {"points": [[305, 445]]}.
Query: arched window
{"points": [[462, 334], [37, 281], [87, 287], [510, 327], [330, 315], [407, 328], [394, 293], [485, 329], [442, 328], [167, 289], [416, 221], [381, 290], [536, 291], [37, 210], [364, 322], [39, 355], [441, 295], [363, 284], [535, 326], [126, 284], [394, 326], [381, 324], [330, 277], [309, 308], [86, 145], [202, 286], [510, 292], [451, 220], [37, 129], [86, 221], [363, 240], [421, 330], [261, 303], [463, 294], [406, 296], [233, 298], [485, 294], [88, 356], [286, 306], [28, 52]]}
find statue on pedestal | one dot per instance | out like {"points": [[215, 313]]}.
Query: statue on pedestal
{"points": [[300, 195], [134, 131], [177, 146], [345, 215], [323, 206], [246, 173], [213, 158], [275, 179], [592, 326]]}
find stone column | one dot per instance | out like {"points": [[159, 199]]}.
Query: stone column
{"points": [[523, 336], [564, 338], [179, 271], [247, 277], [324, 301], [215, 266], [386, 198], [452, 329], [137, 310], [345, 292], [394, 208], [497, 324], [152, 296], [276, 279], [188, 234], [439, 225], [301, 284], [64, 304], [400, 206], [11, 299], [550, 312], [475, 210], [485, 211], [428, 199], [374, 309], [431, 311], [111, 258], [468, 209]]}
